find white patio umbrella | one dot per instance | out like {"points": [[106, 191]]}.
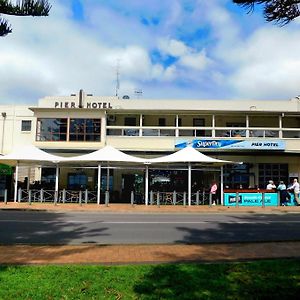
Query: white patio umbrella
{"points": [[190, 155], [30, 155], [108, 155]]}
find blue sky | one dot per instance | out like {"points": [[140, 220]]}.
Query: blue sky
{"points": [[177, 49]]}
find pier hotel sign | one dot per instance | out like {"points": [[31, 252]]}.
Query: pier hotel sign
{"points": [[88, 105]]}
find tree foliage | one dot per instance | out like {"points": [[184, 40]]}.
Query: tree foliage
{"points": [[279, 11], [21, 8]]}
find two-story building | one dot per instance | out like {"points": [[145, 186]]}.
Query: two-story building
{"points": [[264, 135]]}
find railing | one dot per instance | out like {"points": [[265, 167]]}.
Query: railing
{"points": [[70, 196], [64, 196], [36, 195], [178, 198], [207, 132]]}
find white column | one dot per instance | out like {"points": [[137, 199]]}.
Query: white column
{"points": [[190, 184], [141, 125], [177, 124], [56, 181], [16, 182], [146, 184], [99, 185], [222, 186], [247, 126], [280, 126], [213, 124]]}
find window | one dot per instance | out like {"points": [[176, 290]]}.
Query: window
{"points": [[26, 125], [197, 122], [77, 181], [161, 122], [130, 121], [51, 130], [48, 178], [87, 130], [275, 172], [237, 175]]}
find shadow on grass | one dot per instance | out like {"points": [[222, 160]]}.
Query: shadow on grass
{"points": [[257, 280]]}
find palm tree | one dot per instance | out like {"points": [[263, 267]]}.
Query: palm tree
{"points": [[279, 11], [21, 8]]}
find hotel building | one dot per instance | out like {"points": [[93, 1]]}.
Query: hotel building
{"points": [[264, 135]]}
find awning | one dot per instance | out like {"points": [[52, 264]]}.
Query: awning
{"points": [[30, 155]]}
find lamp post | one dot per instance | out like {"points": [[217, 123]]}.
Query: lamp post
{"points": [[3, 129]]}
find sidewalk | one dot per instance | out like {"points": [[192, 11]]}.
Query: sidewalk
{"points": [[127, 208], [136, 254]]}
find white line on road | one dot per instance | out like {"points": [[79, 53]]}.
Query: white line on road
{"points": [[254, 222]]}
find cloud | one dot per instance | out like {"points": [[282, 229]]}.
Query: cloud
{"points": [[178, 49], [267, 64], [173, 47], [198, 61]]}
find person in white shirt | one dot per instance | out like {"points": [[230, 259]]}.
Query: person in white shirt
{"points": [[271, 185], [296, 189], [284, 195]]}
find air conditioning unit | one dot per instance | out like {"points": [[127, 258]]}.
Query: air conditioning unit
{"points": [[111, 118]]}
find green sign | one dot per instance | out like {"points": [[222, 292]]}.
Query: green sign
{"points": [[5, 170]]}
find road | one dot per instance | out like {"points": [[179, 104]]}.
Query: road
{"points": [[40, 227]]}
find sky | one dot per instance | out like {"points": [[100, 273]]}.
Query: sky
{"points": [[161, 49]]}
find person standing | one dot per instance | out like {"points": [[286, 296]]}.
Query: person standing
{"points": [[213, 192], [296, 189], [284, 195], [271, 185]]}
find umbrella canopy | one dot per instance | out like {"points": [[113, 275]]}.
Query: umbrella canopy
{"points": [[188, 154], [29, 155], [106, 154]]}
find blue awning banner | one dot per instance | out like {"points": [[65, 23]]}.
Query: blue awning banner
{"points": [[232, 144]]}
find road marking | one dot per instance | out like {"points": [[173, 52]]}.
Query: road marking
{"points": [[254, 222]]}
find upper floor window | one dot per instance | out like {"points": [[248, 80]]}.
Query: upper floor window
{"points": [[161, 122], [26, 125], [87, 130], [51, 130], [130, 121]]}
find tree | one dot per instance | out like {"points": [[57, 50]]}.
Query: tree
{"points": [[279, 11], [21, 8]]}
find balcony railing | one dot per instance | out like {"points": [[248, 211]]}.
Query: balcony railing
{"points": [[205, 132]]}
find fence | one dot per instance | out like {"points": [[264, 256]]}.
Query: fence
{"points": [[155, 198]]}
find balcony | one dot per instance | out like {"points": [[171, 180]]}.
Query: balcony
{"points": [[205, 132]]}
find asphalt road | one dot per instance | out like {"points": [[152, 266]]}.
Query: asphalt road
{"points": [[25, 227]]}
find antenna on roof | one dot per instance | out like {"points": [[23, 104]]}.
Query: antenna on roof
{"points": [[138, 93], [118, 77]]}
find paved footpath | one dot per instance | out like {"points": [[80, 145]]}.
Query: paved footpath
{"points": [[134, 254]]}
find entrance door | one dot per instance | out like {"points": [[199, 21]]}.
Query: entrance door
{"points": [[127, 186]]}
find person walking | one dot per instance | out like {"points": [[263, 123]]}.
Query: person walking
{"points": [[213, 192], [296, 189]]}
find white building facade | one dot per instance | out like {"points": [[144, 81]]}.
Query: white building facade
{"points": [[264, 135]]}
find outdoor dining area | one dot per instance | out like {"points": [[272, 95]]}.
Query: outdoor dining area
{"points": [[106, 159]]}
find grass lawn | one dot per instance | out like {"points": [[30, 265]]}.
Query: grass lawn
{"points": [[273, 279]]}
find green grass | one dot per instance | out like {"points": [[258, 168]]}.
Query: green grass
{"points": [[274, 279]]}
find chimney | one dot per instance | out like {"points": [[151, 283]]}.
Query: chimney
{"points": [[81, 96]]}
